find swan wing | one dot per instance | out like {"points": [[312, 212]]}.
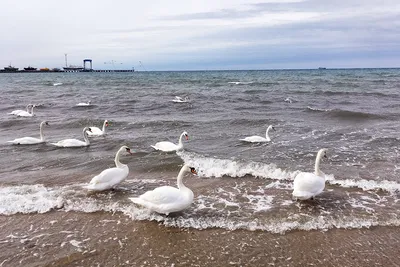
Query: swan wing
{"points": [[165, 146], [96, 131], [307, 185], [24, 114], [162, 195], [108, 178], [254, 139], [26, 141], [16, 112], [70, 143]]}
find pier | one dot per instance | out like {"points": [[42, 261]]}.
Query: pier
{"points": [[87, 67]]}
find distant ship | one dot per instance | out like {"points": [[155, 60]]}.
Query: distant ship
{"points": [[322, 68], [56, 70], [10, 68], [44, 69], [29, 68]]}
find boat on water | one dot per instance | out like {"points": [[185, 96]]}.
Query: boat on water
{"points": [[10, 68], [44, 69], [29, 68], [322, 68]]}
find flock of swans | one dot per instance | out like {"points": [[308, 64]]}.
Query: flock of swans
{"points": [[166, 199]]}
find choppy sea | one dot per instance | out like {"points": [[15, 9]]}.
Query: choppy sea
{"points": [[354, 113]]}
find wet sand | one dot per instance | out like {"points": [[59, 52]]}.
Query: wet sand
{"points": [[102, 239]]}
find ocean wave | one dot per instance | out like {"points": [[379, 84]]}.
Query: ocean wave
{"points": [[346, 114], [214, 167], [230, 208]]}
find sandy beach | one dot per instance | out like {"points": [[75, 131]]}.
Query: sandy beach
{"points": [[75, 239]]}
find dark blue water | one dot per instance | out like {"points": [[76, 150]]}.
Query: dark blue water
{"points": [[352, 113]]}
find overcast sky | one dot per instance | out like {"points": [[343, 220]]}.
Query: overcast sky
{"points": [[201, 35]]}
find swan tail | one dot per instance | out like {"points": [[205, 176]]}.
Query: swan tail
{"points": [[138, 200]]}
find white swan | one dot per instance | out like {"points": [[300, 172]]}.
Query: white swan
{"points": [[31, 140], [26, 113], [112, 176], [168, 146], [75, 142], [96, 131], [16, 112], [257, 139], [179, 99], [168, 199], [84, 104], [307, 185]]}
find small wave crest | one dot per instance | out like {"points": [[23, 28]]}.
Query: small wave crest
{"points": [[214, 167], [240, 83]]}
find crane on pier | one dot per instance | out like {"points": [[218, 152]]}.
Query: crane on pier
{"points": [[113, 62]]}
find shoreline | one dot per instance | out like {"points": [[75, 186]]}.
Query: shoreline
{"points": [[62, 238]]}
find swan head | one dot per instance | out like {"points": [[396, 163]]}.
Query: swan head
{"points": [[45, 123], [126, 148], [193, 170], [188, 168], [87, 129], [271, 127], [106, 123], [185, 134], [322, 153]]}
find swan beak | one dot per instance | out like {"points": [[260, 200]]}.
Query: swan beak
{"points": [[107, 124], [273, 128], [90, 130], [129, 151], [187, 137]]}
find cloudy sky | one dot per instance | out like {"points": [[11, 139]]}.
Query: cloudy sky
{"points": [[201, 35]]}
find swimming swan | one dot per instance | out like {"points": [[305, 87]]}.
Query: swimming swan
{"points": [[16, 112], [306, 184], [179, 99], [26, 113], [31, 140], [96, 131], [168, 146], [257, 139], [84, 104], [168, 199], [75, 142], [112, 176]]}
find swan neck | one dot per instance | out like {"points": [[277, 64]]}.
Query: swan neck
{"points": [[317, 161], [104, 127], [116, 160], [180, 144], [41, 132], [266, 134], [179, 179], [85, 136], [32, 110]]}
